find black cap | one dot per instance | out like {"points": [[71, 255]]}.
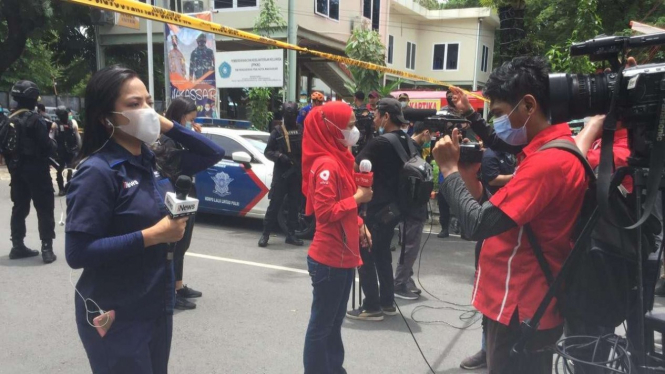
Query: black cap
{"points": [[391, 106], [25, 89], [201, 37]]}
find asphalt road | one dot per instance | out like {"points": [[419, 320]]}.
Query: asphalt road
{"points": [[254, 310]]}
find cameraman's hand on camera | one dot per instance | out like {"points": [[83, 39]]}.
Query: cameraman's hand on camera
{"points": [[590, 133], [446, 153], [461, 100], [168, 230], [363, 195], [365, 237]]}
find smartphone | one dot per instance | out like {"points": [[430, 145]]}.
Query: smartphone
{"points": [[103, 322]]}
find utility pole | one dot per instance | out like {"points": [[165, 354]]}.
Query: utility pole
{"points": [[151, 73], [292, 56], [475, 63]]}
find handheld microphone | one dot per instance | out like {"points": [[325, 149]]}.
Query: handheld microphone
{"points": [[180, 205], [364, 179]]}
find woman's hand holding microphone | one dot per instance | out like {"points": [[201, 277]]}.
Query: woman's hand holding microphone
{"points": [[167, 230], [363, 195]]}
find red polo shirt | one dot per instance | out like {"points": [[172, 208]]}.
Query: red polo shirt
{"points": [[547, 192]]}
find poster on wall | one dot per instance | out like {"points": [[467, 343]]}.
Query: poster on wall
{"points": [[191, 66], [262, 68]]}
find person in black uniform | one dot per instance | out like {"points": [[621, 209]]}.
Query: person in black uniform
{"points": [[67, 140], [168, 153], [285, 150], [30, 176]]}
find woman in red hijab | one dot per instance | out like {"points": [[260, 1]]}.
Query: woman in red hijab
{"points": [[332, 196]]}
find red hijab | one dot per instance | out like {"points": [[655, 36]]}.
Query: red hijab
{"points": [[321, 138]]}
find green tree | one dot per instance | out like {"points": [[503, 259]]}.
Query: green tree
{"points": [[269, 22], [21, 20], [35, 64], [365, 45]]}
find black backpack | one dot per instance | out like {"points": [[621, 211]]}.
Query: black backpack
{"points": [[597, 289], [9, 134], [415, 178], [66, 138]]}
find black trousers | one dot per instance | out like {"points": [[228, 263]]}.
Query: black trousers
{"points": [[181, 247], [32, 181], [444, 211], [502, 338], [287, 183], [376, 273], [65, 160]]}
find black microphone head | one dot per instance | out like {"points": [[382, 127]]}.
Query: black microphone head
{"points": [[182, 186]]}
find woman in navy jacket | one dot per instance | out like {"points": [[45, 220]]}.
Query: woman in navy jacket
{"points": [[118, 229]]}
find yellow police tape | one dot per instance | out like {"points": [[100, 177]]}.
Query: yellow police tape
{"points": [[143, 10]]}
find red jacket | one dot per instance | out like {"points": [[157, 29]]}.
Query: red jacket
{"points": [[336, 241]]}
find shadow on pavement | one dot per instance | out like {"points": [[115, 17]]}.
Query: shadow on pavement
{"points": [[23, 262]]}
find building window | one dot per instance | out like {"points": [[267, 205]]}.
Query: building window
{"points": [[328, 8], [372, 11], [439, 56], [445, 57], [410, 55], [391, 40], [452, 56], [236, 4], [484, 60]]}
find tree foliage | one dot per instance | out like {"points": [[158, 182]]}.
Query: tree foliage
{"points": [[548, 27], [21, 20], [365, 45], [270, 20]]}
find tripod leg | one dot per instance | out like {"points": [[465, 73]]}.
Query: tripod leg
{"points": [[353, 290]]}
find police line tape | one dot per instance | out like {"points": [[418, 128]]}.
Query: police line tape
{"points": [[142, 10]]}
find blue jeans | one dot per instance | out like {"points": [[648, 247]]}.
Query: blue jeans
{"points": [[324, 350]]}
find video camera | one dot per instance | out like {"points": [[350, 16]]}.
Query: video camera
{"points": [[640, 103], [443, 122], [365, 124]]}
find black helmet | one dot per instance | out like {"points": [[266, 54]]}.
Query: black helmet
{"points": [[290, 109], [26, 90]]}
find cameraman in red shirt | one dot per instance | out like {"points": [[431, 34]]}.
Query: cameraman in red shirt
{"points": [[546, 193]]}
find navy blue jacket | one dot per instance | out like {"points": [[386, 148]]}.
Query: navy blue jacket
{"points": [[112, 197]]}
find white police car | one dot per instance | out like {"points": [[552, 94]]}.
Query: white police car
{"points": [[238, 185]]}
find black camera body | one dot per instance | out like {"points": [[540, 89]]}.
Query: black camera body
{"points": [[365, 124], [444, 122], [640, 102]]}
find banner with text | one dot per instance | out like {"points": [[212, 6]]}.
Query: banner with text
{"points": [[191, 61], [263, 68]]}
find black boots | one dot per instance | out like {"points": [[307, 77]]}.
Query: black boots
{"points": [[292, 239], [47, 252], [263, 242], [19, 250]]}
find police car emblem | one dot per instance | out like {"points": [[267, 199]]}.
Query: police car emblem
{"points": [[222, 182]]}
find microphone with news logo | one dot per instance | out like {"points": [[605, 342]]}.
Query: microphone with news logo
{"points": [[179, 204], [364, 179]]}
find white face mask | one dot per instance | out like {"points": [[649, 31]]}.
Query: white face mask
{"points": [[403, 104], [350, 137], [143, 124]]}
